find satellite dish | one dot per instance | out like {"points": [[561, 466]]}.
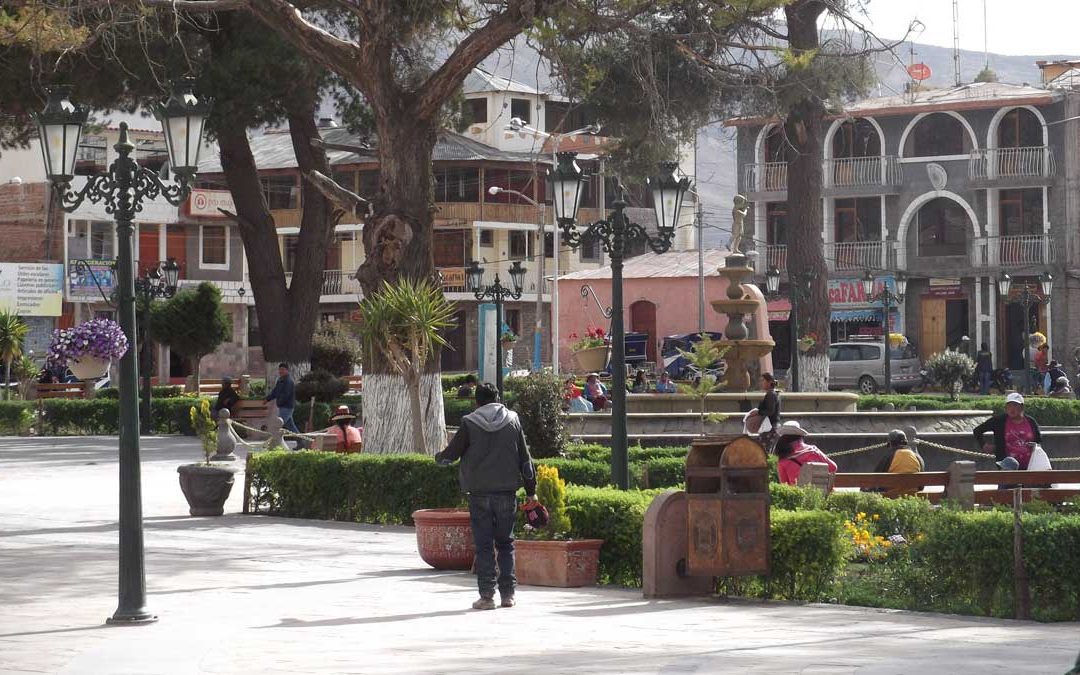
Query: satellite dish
{"points": [[919, 71]]}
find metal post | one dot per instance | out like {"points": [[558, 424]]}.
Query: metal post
{"points": [[538, 328], [147, 366], [796, 291], [700, 263], [132, 577], [886, 301], [1025, 302], [620, 462], [498, 344]]}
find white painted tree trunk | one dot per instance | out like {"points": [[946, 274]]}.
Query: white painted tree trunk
{"points": [[387, 418], [813, 372]]}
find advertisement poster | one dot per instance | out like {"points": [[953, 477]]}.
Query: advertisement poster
{"points": [[81, 278], [32, 289]]}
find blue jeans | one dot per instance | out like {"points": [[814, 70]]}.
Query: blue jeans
{"points": [[492, 518], [984, 382], [286, 419]]}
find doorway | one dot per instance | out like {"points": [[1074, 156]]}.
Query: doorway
{"points": [[452, 357], [956, 322], [1013, 337], [643, 320]]}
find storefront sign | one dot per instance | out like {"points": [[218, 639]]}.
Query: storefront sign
{"points": [[945, 288], [206, 203], [452, 277], [91, 278], [31, 289], [845, 293]]}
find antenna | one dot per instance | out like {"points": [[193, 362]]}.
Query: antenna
{"points": [[986, 40], [956, 40]]}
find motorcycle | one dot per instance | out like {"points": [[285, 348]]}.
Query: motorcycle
{"points": [[1000, 379]]}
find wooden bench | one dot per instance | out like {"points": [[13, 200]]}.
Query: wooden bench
{"points": [[62, 390], [252, 413], [959, 483]]}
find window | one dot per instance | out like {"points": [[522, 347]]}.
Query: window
{"points": [[91, 158], [776, 223], [369, 183], [1020, 128], [563, 117], [345, 178], [214, 246], [457, 184], [549, 244], [869, 353], [521, 181], [101, 241], [943, 228], [280, 192], [151, 153], [512, 317], [448, 248], [938, 135], [520, 107], [858, 219], [291, 241], [519, 244], [844, 353], [254, 337], [1021, 211], [487, 238], [476, 110], [590, 250], [856, 138]]}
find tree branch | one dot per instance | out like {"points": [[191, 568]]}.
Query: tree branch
{"points": [[345, 200], [197, 5]]}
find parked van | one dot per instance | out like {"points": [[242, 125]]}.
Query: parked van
{"points": [[860, 363]]}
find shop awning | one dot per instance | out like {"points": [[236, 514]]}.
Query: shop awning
{"points": [[779, 309]]}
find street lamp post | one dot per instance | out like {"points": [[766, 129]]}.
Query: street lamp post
{"points": [[1026, 300], [123, 188], [616, 234], [159, 282], [498, 294], [798, 290], [538, 322], [887, 298]]}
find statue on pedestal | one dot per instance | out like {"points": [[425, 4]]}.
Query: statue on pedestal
{"points": [[738, 218]]}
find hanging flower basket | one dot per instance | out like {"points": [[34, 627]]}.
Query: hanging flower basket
{"points": [[88, 367], [807, 342], [87, 348], [592, 360]]}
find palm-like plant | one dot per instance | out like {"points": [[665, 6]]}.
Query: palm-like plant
{"points": [[13, 331], [703, 356], [403, 325]]}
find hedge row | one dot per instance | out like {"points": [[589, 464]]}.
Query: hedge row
{"points": [[1046, 411]]}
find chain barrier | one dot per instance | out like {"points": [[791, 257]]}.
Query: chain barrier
{"points": [[958, 451], [856, 450]]}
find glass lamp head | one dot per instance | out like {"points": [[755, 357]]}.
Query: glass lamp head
{"points": [[517, 276], [183, 116], [668, 191], [566, 181], [60, 126], [474, 276], [772, 280], [868, 284]]}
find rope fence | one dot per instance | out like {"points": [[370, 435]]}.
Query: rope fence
{"points": [[944, 448]]}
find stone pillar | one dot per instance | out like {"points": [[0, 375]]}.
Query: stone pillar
{"points": [[815, 474], [961, 485]]}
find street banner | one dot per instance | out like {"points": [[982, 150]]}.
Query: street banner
{"points": [[32, 289]]}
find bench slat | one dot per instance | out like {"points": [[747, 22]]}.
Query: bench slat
{"points": [[890, 481]]}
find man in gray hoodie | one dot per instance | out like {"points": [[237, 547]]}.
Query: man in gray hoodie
{"points": [[494, 463]]}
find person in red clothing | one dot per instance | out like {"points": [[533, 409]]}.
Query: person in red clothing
{"points": [[349, 438], [793, 451]]}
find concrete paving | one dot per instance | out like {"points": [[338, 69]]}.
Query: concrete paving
{"points": [[252, 594]]}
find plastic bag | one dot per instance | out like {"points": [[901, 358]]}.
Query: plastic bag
{"points": [[1039, 460]]}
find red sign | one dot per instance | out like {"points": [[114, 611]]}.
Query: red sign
{"points": [[919, 71], [205, 203], [848, 292]]}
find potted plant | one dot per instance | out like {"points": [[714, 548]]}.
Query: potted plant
{"points": [[591, 352], [206, 486], [548, 557], [87, 349], [806, 342], [444, 538], [508, 336]]}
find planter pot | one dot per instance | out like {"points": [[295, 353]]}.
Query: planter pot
{"points": [[89, 367], [804, 347], [592, 360], [565, 564], [444, 538], [206, 487]]}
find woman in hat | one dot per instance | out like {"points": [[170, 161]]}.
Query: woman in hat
{"points": [[349, 438], [793, 452], [1015, 434]]}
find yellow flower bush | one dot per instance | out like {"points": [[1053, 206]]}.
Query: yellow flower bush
{"points": [[868, 546]]}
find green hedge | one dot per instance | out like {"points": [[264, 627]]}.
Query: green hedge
{"points": [[1046, 411], [658, 472], [795, 498], [15, 417], [581, 472], [905, 515], [166, 391], [615, 516]]}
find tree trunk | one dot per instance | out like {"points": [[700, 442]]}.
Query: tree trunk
{"points": [[7, 379], [803, 130], [416, 419], [388, 427]]}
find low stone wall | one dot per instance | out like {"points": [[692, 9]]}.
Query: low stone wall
{"points": [[833, 401]]}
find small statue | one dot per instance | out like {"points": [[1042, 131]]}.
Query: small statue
{"points": [[226, 439], [738, 216]]}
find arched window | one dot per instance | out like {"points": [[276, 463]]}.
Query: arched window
{"points": [[776, 144], [943, 227], [937, 135], [856, 138], [1019, 128]]}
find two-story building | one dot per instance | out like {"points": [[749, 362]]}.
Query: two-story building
{"points": [[953, 187]]}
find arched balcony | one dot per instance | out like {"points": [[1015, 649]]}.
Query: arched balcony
{"points": [[1016, 150]]}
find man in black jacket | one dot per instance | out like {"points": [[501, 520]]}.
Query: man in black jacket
{"points": [[494, 462], [284, 397], [1015, 434]]}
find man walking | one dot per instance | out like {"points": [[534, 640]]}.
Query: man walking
{"points": [[494, 462], [284, 396]]}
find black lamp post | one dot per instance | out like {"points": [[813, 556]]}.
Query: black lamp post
{"points": [[798, 290], [123, 188], [1026, 300], [616, 234], [159, 282], [887, 299], [497, 293]]}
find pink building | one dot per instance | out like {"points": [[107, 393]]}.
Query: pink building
{"points": [[660, 294]]}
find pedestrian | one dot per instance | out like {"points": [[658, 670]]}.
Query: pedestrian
{"points": [[984, 368], [1042, 358], [1015, 433], [641, 385], [595, 392], [227, 398], [494, 462], [349, 438], [664, 385], [902, 458], [793, 452], [468, 387], [284, 397]]}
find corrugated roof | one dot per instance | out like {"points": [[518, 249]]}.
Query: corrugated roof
{"points": [[273, 150], [480, 80], [669, 265]]}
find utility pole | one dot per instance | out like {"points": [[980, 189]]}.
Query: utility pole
{"points": [[538, 329], [700, 266]]}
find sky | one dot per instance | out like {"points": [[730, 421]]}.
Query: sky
{"points": [[1017, 27]]}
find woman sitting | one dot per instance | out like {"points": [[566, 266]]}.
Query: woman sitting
{"points": [[595, 393], [227, 398], [572, 398], [793, 452], [349, 438], [641, 384]]}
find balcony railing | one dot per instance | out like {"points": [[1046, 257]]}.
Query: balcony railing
{"points": [[849, 256], [768, 177], [1012, 163], [857, 172], [772, 255], [1020, 250], [335, 282]]}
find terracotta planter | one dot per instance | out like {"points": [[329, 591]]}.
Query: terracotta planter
{"points": [[592, 360], [444, 538], [804, 347], [565, 564], [88, 367], [206, 487]]}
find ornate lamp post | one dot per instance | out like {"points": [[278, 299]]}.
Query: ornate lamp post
{"points": [[159, 282], [497, 293], [798, 290], [887, 298], [123, 189], [1026, 300], [616, 234]]}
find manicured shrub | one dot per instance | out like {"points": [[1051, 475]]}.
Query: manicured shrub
{"points": [[456, 408], [795, 498], [16, 417], [580, 472], [1046, 411], [539, 405], [322, 386], [551, 492], [81, 416], [616, 516], [453, 382], [335, 349], [658, 472], [321, 418], [808, 552], [905, 515], [167, 391], [951, 369]]}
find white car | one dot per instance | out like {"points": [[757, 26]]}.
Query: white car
{"points": [[861, 364]]}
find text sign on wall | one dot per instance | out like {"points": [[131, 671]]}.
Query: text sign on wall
{"points": [[32, 289], [849, 292], [206, 203], [91, 278]]}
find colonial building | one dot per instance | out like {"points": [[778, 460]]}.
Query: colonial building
{"points": [[953, 187]]}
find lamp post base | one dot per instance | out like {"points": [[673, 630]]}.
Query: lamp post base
{"points": [[136, 617]]}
